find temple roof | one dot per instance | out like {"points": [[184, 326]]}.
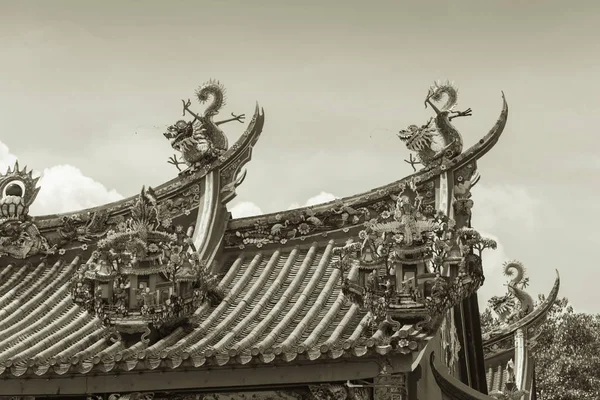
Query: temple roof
{"points": [[283, 301]]}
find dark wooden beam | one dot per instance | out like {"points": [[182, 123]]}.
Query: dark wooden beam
{"points": [[235, 378]]}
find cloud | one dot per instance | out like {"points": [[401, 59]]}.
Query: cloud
{"points": [[513, 204], [245, 209], [250, 209], [321, 198], [64, 188]]}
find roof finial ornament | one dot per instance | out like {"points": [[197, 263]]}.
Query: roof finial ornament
{"points": [[19, 236], [201, 141], [516, 303], [438, 139]]}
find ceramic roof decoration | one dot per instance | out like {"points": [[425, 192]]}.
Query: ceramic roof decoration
{"points": [[337, 300]]}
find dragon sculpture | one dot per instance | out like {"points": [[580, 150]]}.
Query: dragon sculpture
{"points": [[505, 306], [19, 236], [438, 138], [201, 141]]}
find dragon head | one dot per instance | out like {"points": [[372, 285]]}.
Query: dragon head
{"points": [[503, 306], [17, 192], [178, 132], [189, 139]]}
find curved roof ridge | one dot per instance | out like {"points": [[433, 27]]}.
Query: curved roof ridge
{"points": [[474, 152]]}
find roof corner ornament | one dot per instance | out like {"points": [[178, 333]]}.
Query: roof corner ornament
{"points": [[20, 238], [201, 141], [438, 139], [516, 303]]}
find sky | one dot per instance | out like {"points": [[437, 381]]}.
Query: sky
{"points": [[87, 88]]}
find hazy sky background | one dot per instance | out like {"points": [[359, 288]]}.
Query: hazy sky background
{"points": [[337, 81]]}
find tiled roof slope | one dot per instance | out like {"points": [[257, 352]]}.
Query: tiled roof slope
{"points": [[282, 304], [497, 373]]}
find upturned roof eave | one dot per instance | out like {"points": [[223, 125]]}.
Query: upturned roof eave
{"points": [[474, 153], [530, 319]]}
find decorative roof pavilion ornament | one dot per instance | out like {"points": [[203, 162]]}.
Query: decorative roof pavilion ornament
{"points": [[19, 236], [412, 234], [201, 141], [438, 139], [145, 244]]}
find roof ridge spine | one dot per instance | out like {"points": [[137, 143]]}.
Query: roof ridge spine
{"points": [[14, 291], [241, 345], [65, 342], [302, 299], [358, 330], [10, 282], [46, 332], [273, 288], [311, 340], [221, 308], [28, 306], [334, 338], [58, 309], [314, 310], [79, 344], [281, 303], [8, 309], [59, 335], [88, 352], [241, 306], [4, 271], [108, 353], [179, 333]]}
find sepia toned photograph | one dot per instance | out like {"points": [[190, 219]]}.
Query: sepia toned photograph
{"points": [[298, 200]]}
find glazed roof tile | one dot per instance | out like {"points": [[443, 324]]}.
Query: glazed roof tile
{"points": [[281, 304]]}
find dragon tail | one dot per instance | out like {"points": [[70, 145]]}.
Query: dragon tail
{"points": [[214, 89], [511, 267], [444, 88]]}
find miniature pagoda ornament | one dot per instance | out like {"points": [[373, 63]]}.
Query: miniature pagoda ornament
{"points": [[145, 244], [406, 236], [201, 141], [19, 236], [438, 139]]}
